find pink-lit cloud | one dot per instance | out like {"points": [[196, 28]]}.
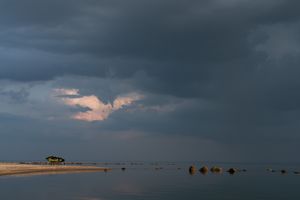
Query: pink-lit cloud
{"points": [[97, 110]]}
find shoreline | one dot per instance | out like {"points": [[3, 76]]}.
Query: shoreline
{"points": [[11, 169]]}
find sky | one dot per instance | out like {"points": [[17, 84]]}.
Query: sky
{"points": [[115, 80]]}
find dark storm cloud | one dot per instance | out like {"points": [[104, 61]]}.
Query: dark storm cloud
{"points": [[236, 63], [174, 42], [37, 13], [190, 48]]}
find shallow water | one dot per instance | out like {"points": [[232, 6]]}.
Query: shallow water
{"points": [[145, 182]]}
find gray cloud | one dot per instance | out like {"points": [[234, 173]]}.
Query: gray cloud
{"points": [[219, 70]]}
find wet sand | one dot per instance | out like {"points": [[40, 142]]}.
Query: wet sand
{"points": [[12, 169]]}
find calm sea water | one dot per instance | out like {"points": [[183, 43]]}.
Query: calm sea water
{"points": [[146, 182]]}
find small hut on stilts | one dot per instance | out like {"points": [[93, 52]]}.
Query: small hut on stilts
{"points": [[54, 160]]}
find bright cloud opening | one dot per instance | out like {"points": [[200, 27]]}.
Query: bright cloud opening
{"points": [[97, 110]]}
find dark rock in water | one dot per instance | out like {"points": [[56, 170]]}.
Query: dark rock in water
{"points": [[283, 171], [296, 172], [204, 170], [123, 168], [271, 170], [244, 170], [216, 169], [232, 170], [192, 169]]}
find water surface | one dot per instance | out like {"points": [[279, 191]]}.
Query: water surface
{"points": [[162, 181]]}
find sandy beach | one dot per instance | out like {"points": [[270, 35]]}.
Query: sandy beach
{"points": [[10, 169]]}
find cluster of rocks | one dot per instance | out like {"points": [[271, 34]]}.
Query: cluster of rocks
{"points": [[214, 169], [282, 171]]}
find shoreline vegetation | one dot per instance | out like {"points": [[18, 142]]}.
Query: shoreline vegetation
{"points": [[11, 169]]}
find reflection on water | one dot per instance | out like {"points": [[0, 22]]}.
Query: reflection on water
{"points": [[30, 174], [157, 181]]}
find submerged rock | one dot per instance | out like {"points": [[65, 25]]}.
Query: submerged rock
{"points": [[204, 170], [283, 171], [232, 170], [158, 168], [192, 169], [123, 168], [271, 170], [216, 169]]}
